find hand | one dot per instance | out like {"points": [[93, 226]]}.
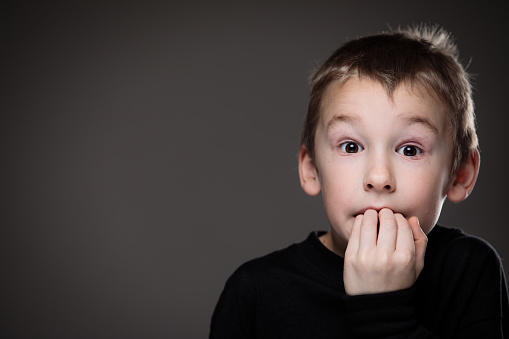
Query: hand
{"points": [[389, 261]]}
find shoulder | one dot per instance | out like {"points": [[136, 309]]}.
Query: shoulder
{"points": [[451, 251], [235, 312], [459, 267], [266, 265], [276, 267], [258, 278], [463, 274], [454, 241]]}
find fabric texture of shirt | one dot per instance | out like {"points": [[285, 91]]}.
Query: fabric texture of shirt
{"points": [[298, 292]]}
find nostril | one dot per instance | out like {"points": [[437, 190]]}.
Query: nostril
{"points": [[382, 186]]}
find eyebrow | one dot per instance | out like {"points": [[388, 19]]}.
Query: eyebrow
{"points": [[411, 120], [407, 121], [342, 119]]}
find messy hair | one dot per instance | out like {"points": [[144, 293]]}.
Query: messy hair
{"points": [[421, 55]]}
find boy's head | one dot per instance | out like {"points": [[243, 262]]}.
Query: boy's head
{"points": [[390, 124], [424, 57]]}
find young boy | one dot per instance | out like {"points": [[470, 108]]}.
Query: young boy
{"points": [[389, 135]]}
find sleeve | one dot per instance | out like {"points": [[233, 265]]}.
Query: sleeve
{"points": [[234, 313], [386, 315]]}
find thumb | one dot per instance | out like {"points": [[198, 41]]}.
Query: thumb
{"points": [[420, 242]]}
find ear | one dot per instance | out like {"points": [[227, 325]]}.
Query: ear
{"points": [[464, 179], [307, 173]]}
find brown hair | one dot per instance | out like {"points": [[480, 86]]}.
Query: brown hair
{"points": [[419, 55]]}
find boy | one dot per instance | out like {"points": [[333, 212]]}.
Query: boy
{"points": [[389, 135]]}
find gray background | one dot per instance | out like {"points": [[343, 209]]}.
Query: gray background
{"points": [[149, 148]]}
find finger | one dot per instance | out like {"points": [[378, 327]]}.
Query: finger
{"points": [[353, 242], [420, 242], [387, 235], [405, 240], [368, 230]]}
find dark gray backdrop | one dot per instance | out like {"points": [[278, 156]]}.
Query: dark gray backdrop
{"points": [[148, 149]]}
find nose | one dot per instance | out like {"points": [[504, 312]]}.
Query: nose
{"points": [[379, 176]]}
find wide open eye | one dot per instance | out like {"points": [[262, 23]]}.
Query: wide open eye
{"points": [[351, 147], [409, 150]]}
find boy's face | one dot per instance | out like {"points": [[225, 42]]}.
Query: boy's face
{"points": [[372, 152]]}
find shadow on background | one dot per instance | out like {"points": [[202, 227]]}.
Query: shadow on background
{"points": [[150, 149]]}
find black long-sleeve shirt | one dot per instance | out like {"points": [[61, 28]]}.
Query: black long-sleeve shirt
{"points": [[298, 292]]}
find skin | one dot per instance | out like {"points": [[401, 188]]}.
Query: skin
{"points": [[382, 165]]}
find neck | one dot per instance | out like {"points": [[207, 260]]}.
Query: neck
{"points": [[333, 244]]}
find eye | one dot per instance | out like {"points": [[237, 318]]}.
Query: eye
{"points": [[351, 147], [409, 151]]}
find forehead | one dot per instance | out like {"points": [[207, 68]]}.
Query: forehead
{"points": [[409, 101]]}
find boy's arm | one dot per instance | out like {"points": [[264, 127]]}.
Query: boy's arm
{"points": [[473, 302], [384, 258]]}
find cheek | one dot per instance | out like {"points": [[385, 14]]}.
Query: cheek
{"points": [[424, 194], [429, 179], [428, 203], [338, 181]]}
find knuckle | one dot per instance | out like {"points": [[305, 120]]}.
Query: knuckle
{"points": [[406, 258], [383, 262], [363, 259]]}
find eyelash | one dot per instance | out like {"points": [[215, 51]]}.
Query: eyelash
{"points": [[417, 150], [343, 145], [358, 148]]}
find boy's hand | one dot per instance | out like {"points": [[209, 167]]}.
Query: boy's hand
{"points": [[384, 261]]}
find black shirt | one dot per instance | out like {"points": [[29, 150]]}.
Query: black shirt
{"points": [[298, 292]]}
